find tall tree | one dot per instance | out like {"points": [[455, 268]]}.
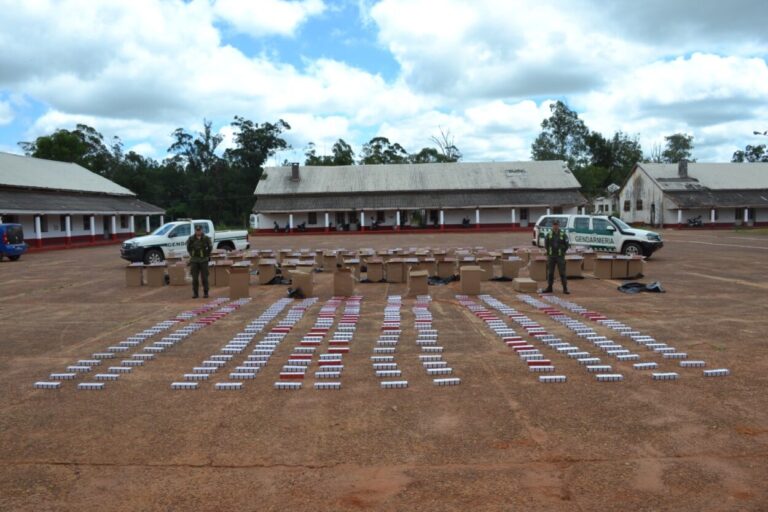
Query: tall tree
{"points": [[751, 154], [679, 146], [380, 151], [446, 143], [83, 146], [563, 137], [342, 154]]}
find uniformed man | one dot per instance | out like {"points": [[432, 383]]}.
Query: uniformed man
{"points": [[556, 243], [199, 247]]}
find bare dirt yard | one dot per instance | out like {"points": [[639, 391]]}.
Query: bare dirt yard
{"points": [[498, 441]]}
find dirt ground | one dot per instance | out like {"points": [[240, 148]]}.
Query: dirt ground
{"points": [[499, 441]]}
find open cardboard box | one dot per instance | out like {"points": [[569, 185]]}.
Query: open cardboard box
{"points": [[417, 283], [537, 268], [603, 267], [524, 284], [343, 283], [303, 282], [510, 268], [239, 280]]}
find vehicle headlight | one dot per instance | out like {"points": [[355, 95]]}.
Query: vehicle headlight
{"points": [[127, 245], [653, 237]]}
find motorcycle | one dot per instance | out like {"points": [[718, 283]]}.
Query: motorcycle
{"points": [[695, 222]]}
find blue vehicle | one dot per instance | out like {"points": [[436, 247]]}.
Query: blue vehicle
{"points": [[12, 241]]}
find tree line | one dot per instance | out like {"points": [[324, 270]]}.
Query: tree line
{"points": [[199, 180]]}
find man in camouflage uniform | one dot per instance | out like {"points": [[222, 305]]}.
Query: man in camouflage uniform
{"points": [[556, 243], [199, 247]]}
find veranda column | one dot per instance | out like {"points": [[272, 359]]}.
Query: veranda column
{"points": [[397, 220], [68, 229], [113, 235], [442, 220], [679, 216], [38, 234], [133, 225], [327, 222], [290, 222], [583, 210], [712, 215], [514, 215], [548, 211], [93, 227], [362, 220], [746, 215], [477, 218]]}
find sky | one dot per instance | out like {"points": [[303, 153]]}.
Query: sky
{"points": [[483, 71]]}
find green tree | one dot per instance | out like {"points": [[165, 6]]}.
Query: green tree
{"points": [[563, 137], [380, 151], [83, 146], [751, 154], [679, 146], [341, 154]]}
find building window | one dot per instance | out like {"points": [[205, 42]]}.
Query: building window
{"points": [[557, 210], [11, 219], [380, 219], [62, 222], [340, 221], [43, 223], [86, 222], [523, 213], [639, 205], [123, 222], [312, 218], [626, 205]]}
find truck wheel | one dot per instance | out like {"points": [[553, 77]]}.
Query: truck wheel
{"points": [[14, 258], [153, 256], [227, 246], [632, 249]]}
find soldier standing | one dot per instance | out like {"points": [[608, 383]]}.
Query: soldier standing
{"points": [[556, 244], [199, 247]]}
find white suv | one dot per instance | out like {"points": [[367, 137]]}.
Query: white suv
{"points": [[600, 233]]}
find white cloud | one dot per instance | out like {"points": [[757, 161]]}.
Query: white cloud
{"points": [[260, 18], [6, 112]]}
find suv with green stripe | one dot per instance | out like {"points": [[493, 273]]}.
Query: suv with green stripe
{"points": [[601, 233]]}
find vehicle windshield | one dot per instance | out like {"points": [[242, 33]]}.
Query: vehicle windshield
{"points": [[14, 234], [620, 223], [163, 229]]}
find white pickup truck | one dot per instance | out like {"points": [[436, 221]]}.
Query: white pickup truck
{"points": [[170, 240]]}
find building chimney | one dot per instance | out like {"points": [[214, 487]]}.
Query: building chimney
{"points": [[295, 171], [682, 168]]}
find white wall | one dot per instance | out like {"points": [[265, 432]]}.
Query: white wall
{"points": [[640, 187]]}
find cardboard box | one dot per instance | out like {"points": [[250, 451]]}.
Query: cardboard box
{"points": [[417, 283], [395, 269], [486, 263], [446, 267], [354, 265], [427, 264], [211, 274], [603, 267], [267, 270], [134, 275], [524, 255], [510, 267], [329, 261], [537, 268], [588, 265], [221, 271], [177, 274], [471, 276], [619, 267], [524, 284], [635, 267], [375, 269], [239, 280], [155, 274], [303, 282], [573, 266], [343, 283]]}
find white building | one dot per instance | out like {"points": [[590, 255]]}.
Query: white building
{"points": [[729, 194], [609, 203], [452, 196], [60, 204]]}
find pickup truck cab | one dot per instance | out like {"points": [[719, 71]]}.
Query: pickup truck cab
{"points": [[600, 233], [12, 241], [170, 240]]}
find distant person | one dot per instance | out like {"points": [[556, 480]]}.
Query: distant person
{"points": [[556, 244], [199, 247]]}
